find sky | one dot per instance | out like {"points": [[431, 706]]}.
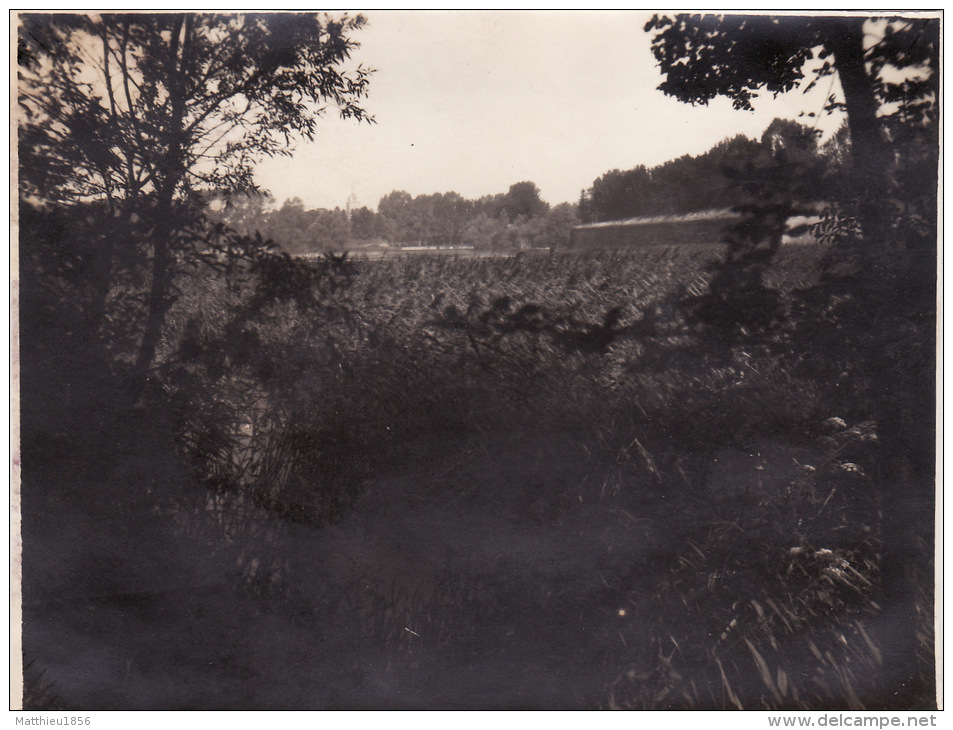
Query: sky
{"points": [[474, 101]]}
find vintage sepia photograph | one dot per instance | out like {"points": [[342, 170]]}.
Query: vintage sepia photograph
{"points": [[475, 360]]}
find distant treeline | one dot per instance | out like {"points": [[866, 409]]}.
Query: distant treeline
{"points": [[516, 219], [519, 218], [714, 179]]}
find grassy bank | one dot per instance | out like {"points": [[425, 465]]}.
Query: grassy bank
{"points": [[525, 482]]}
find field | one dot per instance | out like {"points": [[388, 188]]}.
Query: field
{"points": [[540, 481]]}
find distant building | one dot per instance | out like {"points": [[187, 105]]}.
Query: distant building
{"points": [[353, 203]]}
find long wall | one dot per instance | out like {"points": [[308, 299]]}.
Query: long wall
{"points": [[705, 227], [652, 232]]}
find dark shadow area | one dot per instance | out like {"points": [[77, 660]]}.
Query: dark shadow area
{"points": [[508, 483], [613, 474]]}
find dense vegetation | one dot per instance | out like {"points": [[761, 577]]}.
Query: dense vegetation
{"points": [[518, 219], [706, 181], [501, 482], [654, 478]]}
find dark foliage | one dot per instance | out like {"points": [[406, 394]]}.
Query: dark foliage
{"points": [[137, 116], [683, 185], [878, 301], [623, 479]]}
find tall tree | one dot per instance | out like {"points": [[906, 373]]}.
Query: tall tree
{"points": [[557, 226], [616, 195], [362, 224], [139, 111], [451, 212], [681, 185], [888, 70], [397, 208], [523, 200], [740, 56], [329, 232]]}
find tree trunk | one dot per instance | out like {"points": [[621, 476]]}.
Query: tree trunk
{"points": [[871, 158], [102, 276], [158, 303], [908, 498], [164, 228]]}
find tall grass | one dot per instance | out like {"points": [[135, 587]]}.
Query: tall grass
{"points": [[535, 482]]}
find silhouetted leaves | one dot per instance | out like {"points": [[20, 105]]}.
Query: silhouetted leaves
{"points": [[140, 116]]}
